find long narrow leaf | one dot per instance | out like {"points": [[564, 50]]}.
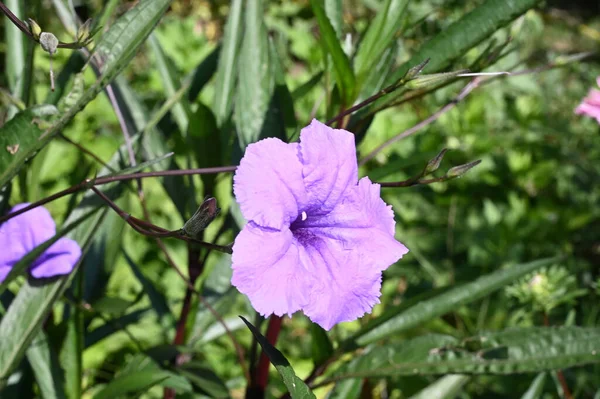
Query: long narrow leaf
{"points": [[344, 74], [445, 302], [227, 69]]}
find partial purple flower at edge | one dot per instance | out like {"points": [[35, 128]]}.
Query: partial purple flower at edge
{"points": [[590, 105], [317, 238], [21, 234]]}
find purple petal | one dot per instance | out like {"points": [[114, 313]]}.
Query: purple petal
{"points": [[362, 223], [267, 268], [21, 234], [345, 289], [57, 260], [329, 164], [268, 183]]}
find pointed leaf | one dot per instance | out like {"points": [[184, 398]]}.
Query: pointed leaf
{"points": [[344, 74], [228, 60], [296, 387], [445, 302]]}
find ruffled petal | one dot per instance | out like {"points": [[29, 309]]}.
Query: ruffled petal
{"points": [[57, 260], [362, 223], [268, 184], [267, 268], [344, 288], [21, 234], [329, 165]]}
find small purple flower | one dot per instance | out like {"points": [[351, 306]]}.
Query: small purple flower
{"points": [[590, 105], [317, 238], [21, 234]]}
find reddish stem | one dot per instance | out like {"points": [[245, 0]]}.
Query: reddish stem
{"points": [[261, 375]]}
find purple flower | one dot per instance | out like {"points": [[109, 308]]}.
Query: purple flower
{"points": [[590, 105], [317, 238], [21, 234]]}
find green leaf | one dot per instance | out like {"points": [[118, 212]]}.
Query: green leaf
{"points": [[454, 41], [295, 385], [157, 299], [203, 73], [321, 346], [205, 379], [334, 11], [445, 388], [445, 302], [227, 69], [18, 138], [181, 110], [378, 38], [519, 350], [116, 48], [344, 74], [536, 388], [18, 72], [46, 368], [307, 86], [254, 76], [114, 325], [132, 383], [203, 137]]}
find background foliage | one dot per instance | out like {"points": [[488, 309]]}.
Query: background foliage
{"points": [[500, 289]]}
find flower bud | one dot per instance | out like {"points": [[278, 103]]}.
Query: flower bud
{"points": [[431, 80], [49, 42], [83, 33], [460, 170], [434, 163], [206, 213], [34, 28], [416, 70]]}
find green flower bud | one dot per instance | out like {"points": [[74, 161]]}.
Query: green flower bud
{"points": [[83, 33], [434, 79], [434, 163], [34, 28], [206, 213], [460, 170]]}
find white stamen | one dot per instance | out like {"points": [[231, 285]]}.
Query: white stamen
{"points": [[484, 74], [304, 216]]}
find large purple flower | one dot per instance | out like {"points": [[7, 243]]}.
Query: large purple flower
{"points": [[317, 238], [21, 234], [590, 105]]}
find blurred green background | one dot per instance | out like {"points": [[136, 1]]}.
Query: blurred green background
{"points": [[535, 193]]}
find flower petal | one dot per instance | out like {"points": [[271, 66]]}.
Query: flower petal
{"points": [[21, 234], [344, 288], [267, 268], [57, 260], [329, 164], [268, 183], [362, 223]]}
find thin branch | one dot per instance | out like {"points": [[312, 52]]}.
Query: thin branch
{"points": [[435, 116], [87, 152], [84, 185]]}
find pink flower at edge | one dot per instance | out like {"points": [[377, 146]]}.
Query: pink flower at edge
{"points": [[21, 234], [317, 238], [590, 105]]}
